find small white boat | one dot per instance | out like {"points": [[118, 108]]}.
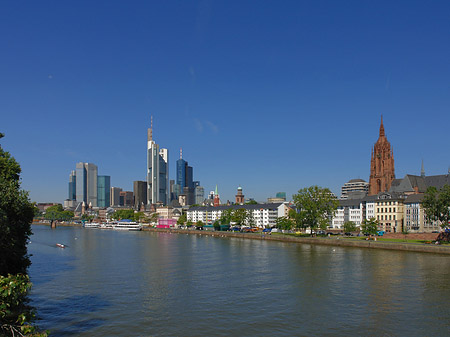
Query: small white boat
{"points": [[91, 225], [60, 245], [106, 225], [127, 225]]}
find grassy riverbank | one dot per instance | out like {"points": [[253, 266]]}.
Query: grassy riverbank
{"points": [[359, 242]]}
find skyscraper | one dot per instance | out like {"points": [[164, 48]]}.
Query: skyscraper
{"points": [[86, 183], [115, 196], [73, 186], [382, 170], [157, 171], [140, 193], [104, 191]]}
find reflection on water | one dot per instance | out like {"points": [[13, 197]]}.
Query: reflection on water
{"points": [[141, 283]]}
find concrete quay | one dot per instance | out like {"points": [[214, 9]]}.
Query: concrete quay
{"points": [[327, 241]]}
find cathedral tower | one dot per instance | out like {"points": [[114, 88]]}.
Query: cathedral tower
{"points": [[382, 170]]}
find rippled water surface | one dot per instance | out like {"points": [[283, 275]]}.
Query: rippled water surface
{"points": [[112, 283]]}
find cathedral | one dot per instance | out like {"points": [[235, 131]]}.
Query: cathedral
{"points": [[382, 171]]}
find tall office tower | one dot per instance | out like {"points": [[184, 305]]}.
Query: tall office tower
{"points": [[382, 170], [126, 198], [185, 173], [199, 193], [86, 183], [157, 171], [73, 186], [104, 191], [115, 196], [140, 194]]}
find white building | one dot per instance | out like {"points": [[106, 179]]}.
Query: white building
{"points": [[348, 210], [358, 187], [263, 215]]}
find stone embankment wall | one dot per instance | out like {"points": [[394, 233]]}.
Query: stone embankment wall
{"points": [[331, 241], [412, 236]]}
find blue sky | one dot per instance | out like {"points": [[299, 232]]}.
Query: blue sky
{"points": [[270, 95]]}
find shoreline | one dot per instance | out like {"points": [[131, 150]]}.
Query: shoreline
{"points": [[327, 241]]}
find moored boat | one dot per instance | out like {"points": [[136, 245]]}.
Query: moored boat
{"points": [[127, 225], [91, 225]]}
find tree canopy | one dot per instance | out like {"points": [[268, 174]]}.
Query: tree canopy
{"points": [[436, 204], [315, 207], [349, 226], [16, 215], [370, 226]]}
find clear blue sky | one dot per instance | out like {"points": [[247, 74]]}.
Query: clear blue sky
{"points": [[270, 95]]}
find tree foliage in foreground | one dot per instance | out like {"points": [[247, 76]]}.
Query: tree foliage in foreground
{"points": [[16, 215], [436, 204], [315, 207]]}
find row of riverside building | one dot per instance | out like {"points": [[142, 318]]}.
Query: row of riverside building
{"points": [[395, 203]]}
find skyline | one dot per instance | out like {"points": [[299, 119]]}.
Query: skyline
{"points": [[270, 98]]}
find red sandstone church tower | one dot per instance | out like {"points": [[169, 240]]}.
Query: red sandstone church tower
{"points": [[382, 170], [239, 196]]}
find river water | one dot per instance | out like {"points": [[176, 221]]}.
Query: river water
{"points": [[113, 283]]}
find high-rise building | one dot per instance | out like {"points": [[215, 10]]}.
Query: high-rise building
{"points": [[103, 191], [157, 171], [73, 186], [86, 183], [115, 196], [355, 188], [199, 193], [126, 199], [382, 171], [140, 193], [185, 173]]}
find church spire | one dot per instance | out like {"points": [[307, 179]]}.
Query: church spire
{"points": [[422, 171], [382, 134]]}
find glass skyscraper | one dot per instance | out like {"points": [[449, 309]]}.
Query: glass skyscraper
{"points": [[103, 191]]}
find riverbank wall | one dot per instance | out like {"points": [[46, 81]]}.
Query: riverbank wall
{"points": [[327, 241]]}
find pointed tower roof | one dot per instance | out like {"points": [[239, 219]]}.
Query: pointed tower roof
{"points": [[382, 134], [422, 171], [216, 192]]}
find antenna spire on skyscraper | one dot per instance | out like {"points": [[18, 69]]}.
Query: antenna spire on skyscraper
{"points": [[181, 153], [150, 131]]}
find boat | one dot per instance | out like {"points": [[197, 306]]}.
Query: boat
{"points": [[60, 245], [91, 225], [127, 225], [106, 225]]}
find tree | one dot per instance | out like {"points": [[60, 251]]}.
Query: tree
{"points": [[226, 217], [57, 213], [285, 223], [16, 216], [349, 226], [123, 214], [315, 205], [240, 216], [251, 202], [370, 226], [436, 204], [182, 219]]}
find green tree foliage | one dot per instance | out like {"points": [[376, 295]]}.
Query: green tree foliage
{"points": [[316, 206], [240, 216], [251, 202], [285, 223], [436, 204], [226, 217], [16, 215], [123, 214], [370, 226], [57, 212], [349, 226], [199, 223], [182, 219]]}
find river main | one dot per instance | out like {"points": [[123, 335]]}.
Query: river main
{"points": [[113, 283]]}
